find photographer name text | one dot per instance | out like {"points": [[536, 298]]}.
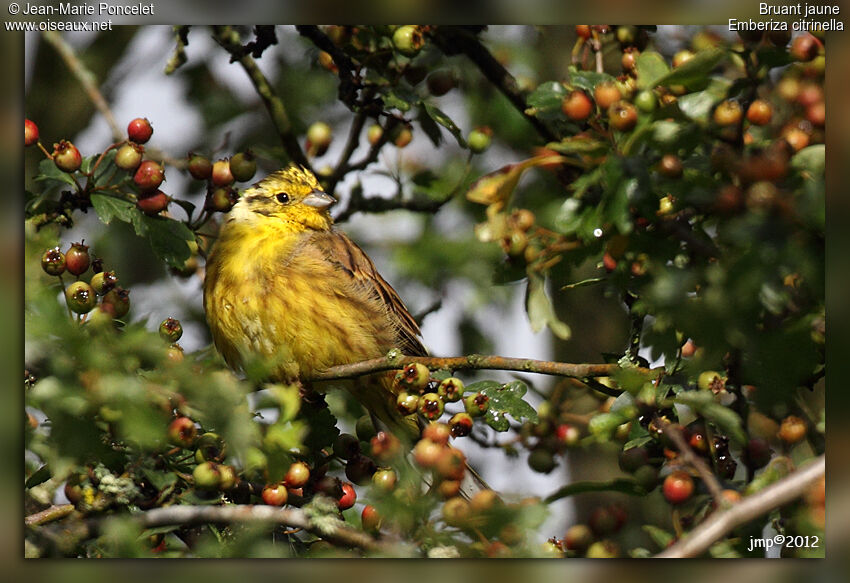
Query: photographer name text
{"points": [[815, 17], [99, 9]]}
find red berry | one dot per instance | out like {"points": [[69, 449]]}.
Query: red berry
{"points": [[622, 116], [153, 203], [80, 297], [606, 94], [370, 519], [678, 487], [200, 167], [759, 112], [797, 138], [53, 262], [439, 433], [348, 498], [139, 130], [578, 538], [577, 105], [629, 59], [77, 258], [816, 113], [567, 434], [66, 156], [221, 174], [30, 133], [182, 432], [792, 429], [149, 176], [386, 447], [129, 156], [583, 31], [275, 494], [608, 262], [117, 302], [297, 475], [804, 48]]}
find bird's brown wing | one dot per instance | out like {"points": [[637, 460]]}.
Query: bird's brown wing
{"points": [[350, 258]]}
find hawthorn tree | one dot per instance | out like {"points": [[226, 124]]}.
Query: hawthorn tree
{"points": [[677, 180]]}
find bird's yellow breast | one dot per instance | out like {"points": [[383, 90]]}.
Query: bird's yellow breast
{"points": [[273, 302]]}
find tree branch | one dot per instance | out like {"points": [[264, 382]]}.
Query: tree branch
{"points": [[49, 515], [229, 39], [396, 360], [456, 39], [721, 523]]}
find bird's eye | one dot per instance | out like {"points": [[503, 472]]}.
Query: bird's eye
{"points": [[283, 198]]}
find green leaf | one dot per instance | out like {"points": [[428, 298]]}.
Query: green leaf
{"points": [[430, 127], [651, 67], [394, 101], [811, 159], [588, 80], [110, 207], [703, 403], [441, 118], [169, 239], [698, 106], [40, 476], [48, 172], [579, 145], [659, 536], [105, 169], [506, 400], [623, 485], [540, 310], [696, 70], [547, 97]]}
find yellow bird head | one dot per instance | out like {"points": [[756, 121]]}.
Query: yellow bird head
{"points": [[291, 196]]}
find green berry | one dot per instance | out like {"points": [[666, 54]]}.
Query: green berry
{"points": [[450, 390], [243, 166], [170, 330], [477, 404], [384, 480], [479, 140], [221, 199], [210, 447], [129, 156], [408, 40], [53, 262], [207, 476], [103, 281], [541, 460], [80, 297], [319, 138], [200, 167], [66, 156], [364, 428], [431, 406], [415, 376], [407, 403], [645, 101]]}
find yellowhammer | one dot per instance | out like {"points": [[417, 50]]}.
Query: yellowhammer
{"points": [[286, 290]]}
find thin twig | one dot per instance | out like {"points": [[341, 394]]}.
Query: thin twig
{"points": [[86, 79], [471, 362], [723, 522], [55, 512], [229, 39], [693, 459]]}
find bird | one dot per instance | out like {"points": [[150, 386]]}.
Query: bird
{"points": [[289, 294]]}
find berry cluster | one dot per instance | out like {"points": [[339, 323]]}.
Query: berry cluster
{"points": [[100, 299], [220, 177]]}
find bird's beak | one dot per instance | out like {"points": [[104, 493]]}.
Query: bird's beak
{"points": [[318, 199]]}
